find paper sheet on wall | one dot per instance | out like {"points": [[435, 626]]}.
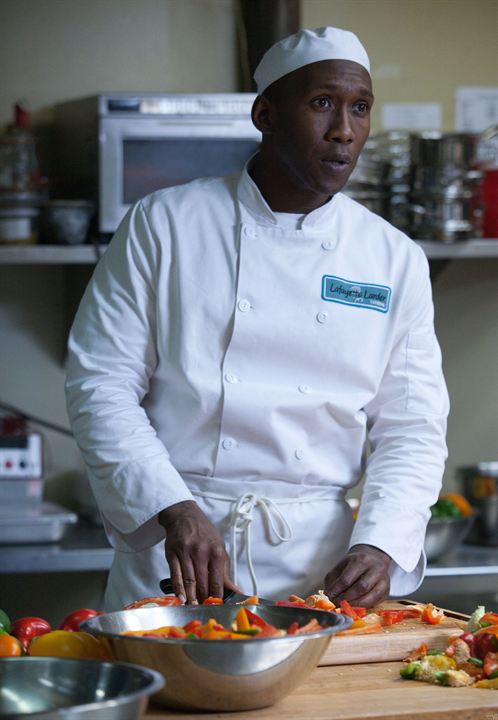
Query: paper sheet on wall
{"points": [[411, 116], [476, 108]]}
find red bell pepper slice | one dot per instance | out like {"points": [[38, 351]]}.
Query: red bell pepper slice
{"points": [[256, 620], [347, 609]]}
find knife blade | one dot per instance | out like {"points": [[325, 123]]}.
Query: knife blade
{"points": [[230, 597]]}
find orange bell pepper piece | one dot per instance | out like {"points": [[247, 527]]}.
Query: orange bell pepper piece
{"points": [[364, 629], [491, 629], [251, 600], [432, 615], [242, 621]]}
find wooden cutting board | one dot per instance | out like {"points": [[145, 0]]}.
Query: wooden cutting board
{"points": [[362, 692], [394, 642]]}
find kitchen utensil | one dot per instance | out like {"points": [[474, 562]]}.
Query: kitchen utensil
{"points": [[480, 487], [65, 689], [221, 675], [230, 597], [458, 150], [66, 222], [444, 534]]}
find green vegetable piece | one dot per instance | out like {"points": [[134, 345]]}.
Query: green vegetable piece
{"points": [[476, 661], [5, 623], [434, 652], [493, 675], [409, 671], [249, 631], [191, 636], [441, 677], [474, 619]]}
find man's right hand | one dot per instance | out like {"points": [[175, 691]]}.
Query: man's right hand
{"points": [[195, 553]]}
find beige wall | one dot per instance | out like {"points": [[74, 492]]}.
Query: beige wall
{"points": [[55, 49], [420, 50]]}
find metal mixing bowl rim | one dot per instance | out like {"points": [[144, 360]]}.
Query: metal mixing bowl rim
{"points": [[157, 682], [343, 624]]}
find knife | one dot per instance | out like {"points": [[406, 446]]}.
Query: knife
{"points": [[230, 597]]}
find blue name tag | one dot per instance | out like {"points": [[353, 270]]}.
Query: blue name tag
{"points": [[357, 294]]}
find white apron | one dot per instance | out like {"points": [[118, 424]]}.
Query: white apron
{"points": [[277, 545]]}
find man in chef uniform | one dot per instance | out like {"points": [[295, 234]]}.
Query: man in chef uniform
{"points": [[241, 342]]}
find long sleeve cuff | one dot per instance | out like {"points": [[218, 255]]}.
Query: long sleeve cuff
{"points": [[399, 532], [131, 499]]}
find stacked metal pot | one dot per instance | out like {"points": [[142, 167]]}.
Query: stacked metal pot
{"points": [[445, 187], [368, 181]]}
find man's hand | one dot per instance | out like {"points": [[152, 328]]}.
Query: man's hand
{"points": [[361, 577], [195, 553]]}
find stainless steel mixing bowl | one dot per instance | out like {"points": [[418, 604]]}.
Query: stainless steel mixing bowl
{"points": [[445, 534], [222, 675], [49, 688]]}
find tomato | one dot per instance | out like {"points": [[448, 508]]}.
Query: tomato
{"points": [[213, 601], [73, 621], [154, 602], [490, 664], [9, 646], [27, 628], [4, 622], [66, 643]]}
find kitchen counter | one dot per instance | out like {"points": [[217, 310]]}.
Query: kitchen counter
{"points": [[83, 548], [372, 691]]}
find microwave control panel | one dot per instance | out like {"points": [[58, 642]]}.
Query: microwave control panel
{"points": [[20, 456]]}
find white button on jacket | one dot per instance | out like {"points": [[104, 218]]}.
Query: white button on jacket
{"points": [[184, 294]]}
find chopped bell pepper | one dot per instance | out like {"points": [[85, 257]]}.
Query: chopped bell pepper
{"points": [[242, 621], [432, 615]]}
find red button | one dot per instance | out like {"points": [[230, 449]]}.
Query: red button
{"points": [[8, 464]]}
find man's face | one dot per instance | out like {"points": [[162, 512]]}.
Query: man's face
{"points": [[320, 122]]}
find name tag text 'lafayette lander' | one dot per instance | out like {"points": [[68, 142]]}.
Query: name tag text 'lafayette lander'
{"points": [[356, 294]]}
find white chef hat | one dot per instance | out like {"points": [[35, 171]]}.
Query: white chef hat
{"points": [[305, 47]]}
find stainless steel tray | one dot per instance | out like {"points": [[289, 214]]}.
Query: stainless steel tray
{"points": [[45, 522]]}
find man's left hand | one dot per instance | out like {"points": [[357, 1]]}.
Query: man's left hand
{"points": [[361, 577]]}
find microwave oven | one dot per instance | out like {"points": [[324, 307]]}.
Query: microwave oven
{"points": [[116, 148]]}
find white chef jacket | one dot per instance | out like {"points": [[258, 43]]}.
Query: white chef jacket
{"points": [[219, 356]]}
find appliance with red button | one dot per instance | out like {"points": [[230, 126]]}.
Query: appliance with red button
{"points": [[24, 517], [21, 468]]}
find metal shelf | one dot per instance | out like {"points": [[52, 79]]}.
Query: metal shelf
{"points": [[89, 254], [50, 254]]}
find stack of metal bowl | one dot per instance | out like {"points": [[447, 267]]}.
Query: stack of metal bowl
{"points": [[445, 534], [381, 178], [49, 688], [394, 151], [367, 183], [219, 675], [445, 187]]}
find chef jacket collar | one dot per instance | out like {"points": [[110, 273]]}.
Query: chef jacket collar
{"points": [[251, 197]]}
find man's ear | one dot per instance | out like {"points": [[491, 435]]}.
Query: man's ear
{"points": [[263, 115]]}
